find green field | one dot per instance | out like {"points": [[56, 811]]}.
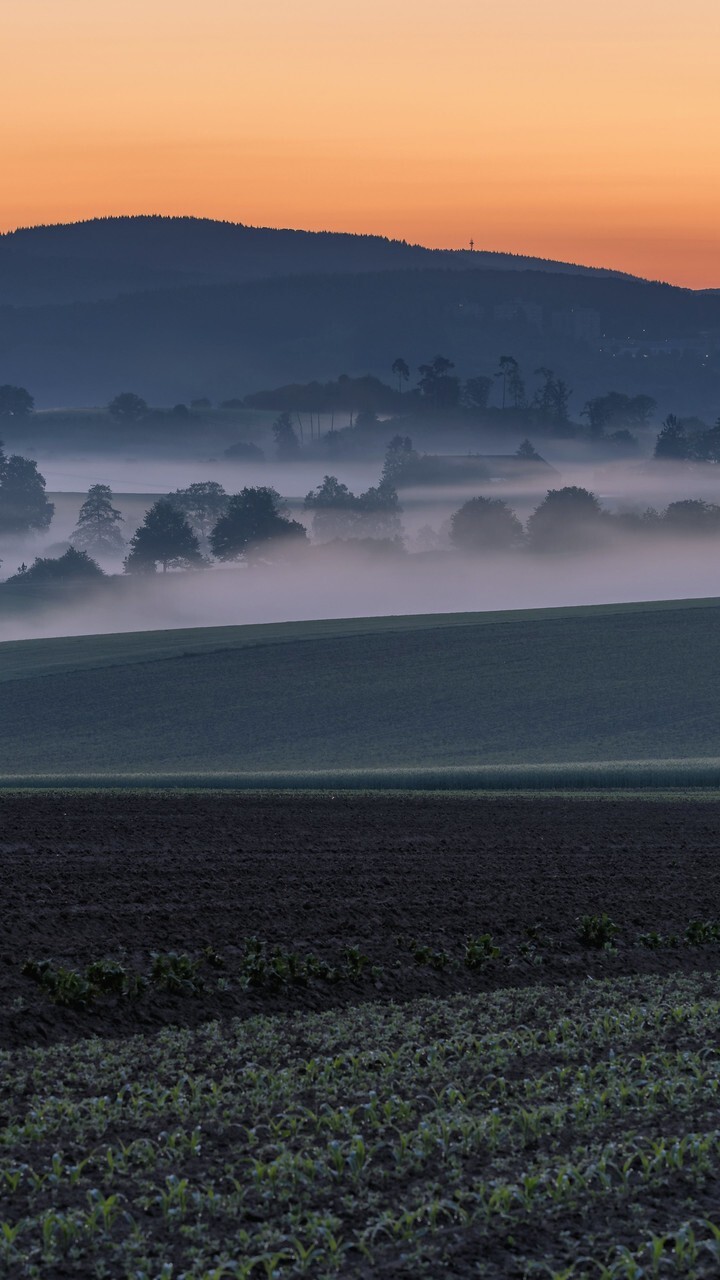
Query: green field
{"points": [[529, 1133], [444, 693]]}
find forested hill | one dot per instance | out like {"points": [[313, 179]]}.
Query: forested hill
{"points": [[106, 256], [232, 339]]}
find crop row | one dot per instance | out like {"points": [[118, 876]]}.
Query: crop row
{"points": [[545, 1126], [259, 966]]}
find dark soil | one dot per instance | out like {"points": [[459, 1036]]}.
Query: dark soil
{"points": [[91, 875]]}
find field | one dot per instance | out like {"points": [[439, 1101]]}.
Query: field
{"points": [[270, 1035], [565, 686]]}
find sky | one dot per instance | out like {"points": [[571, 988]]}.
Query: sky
{"points": [[585, 130]]}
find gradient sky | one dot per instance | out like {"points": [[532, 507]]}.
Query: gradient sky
{"points": [[586, 130]]}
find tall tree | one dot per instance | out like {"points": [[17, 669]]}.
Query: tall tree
{"points": [[476, 392], [438, 387], [672, 443], [202, 504], [287, 445], [97, 527], [15, 402], [401, 369], [253, 521], [23, 505], [400, 459], [513, 387], [164, 538]]}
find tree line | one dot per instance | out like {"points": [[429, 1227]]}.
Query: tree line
{"points": [[188, 527]]}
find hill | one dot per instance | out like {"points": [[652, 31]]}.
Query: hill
{"points": [[102, 257], [230, 339], [633, 682]]}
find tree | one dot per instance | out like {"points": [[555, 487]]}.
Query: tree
{"points": [[73, 566], [400, 459], [485, 524], [617, 410], [513, 387], [528, 451], [552, 398], [476, 392], [127, 407], [253, 521], [202, 504], [402, 371], [672, 443], [335, 510], [438, 387], [97, 527], [15, 402], [692, 517], [380, 512], [164, 538], [23, 505], [567, 519], [287, 445]]}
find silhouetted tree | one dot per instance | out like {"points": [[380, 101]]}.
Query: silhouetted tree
{"points": [[164, 538], [485, 524], [552, 398], [402, 371], [73, 566], [672, 442], [23, 505], [202, 504], [400, 458], [97, 527], [338, 513], [287, 445], [567, 519], [15, 402], [253, 521], [380, 512], [527, 450], [617, 410], [127, 407], [476, 392], [693, 517], [335, 510], [513, 387], [438, 387]]}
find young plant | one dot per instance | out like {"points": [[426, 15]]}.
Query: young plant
{"points": [[479, 951], [597, 932]]}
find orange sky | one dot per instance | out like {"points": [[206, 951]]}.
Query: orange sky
{"points": [[587, 130]]}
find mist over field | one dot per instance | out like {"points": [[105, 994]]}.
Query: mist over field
{"points": [[336, 584], [426, 574]]}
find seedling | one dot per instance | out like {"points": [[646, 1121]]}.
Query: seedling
{"points": [[479, 951], [597, 932]]}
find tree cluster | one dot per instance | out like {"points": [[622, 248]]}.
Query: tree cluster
{"points": [[572, 519], [339, 513], [688, 440]]}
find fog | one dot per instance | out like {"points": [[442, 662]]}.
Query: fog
{"points": [[340, 585], [340, 581]]}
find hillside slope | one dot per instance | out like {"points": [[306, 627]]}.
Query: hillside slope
{"points": [[102, 257], [225, 340], [633, 683]]}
